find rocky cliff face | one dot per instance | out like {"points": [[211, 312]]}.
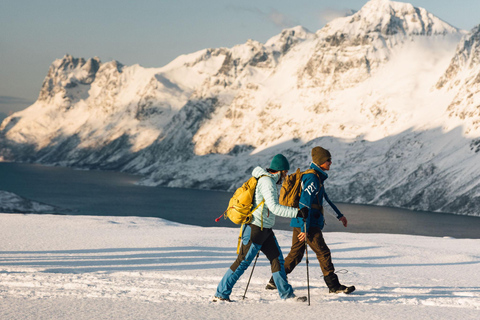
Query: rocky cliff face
{"points": [[463, 78], [378, 88]]}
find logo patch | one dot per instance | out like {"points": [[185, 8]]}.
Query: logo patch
{"points": [[310, 188]]}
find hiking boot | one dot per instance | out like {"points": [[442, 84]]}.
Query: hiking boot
{"points": [[334, 285], [294, 298], [342, 289], [215, 299], [271, 285]]}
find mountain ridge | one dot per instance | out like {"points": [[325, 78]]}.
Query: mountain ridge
{"points": [[374, 88]]}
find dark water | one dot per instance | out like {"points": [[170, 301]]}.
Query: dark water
{"points": [[115, 194]]}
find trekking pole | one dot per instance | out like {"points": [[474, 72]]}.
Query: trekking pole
{"points": [[251, 275], [306, 260]]}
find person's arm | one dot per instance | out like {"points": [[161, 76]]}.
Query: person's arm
{"points": [[337, 213], [270, 194]]}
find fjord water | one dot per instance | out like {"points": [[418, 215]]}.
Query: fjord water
{"points": [[105, 193]]}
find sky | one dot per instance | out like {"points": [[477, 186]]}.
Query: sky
{"points": [[154, 32]]}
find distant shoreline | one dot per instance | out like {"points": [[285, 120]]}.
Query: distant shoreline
{"points": [[107, 193]]}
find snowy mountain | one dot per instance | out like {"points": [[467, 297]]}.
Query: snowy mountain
{"points": [[391, 90], [12, 203]]}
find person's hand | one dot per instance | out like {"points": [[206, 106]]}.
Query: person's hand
{"points": [[303, 213], [301, 236], [344, 221]]}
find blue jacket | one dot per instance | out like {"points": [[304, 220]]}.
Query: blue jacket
{"points": [[313, 193]]}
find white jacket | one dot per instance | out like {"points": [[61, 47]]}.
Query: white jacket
{"points": [[266, 190]]}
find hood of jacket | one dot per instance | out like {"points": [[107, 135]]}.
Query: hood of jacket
{"points": [[323, 175], [259, 171]]}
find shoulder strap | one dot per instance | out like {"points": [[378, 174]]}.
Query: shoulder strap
{"points": [[313, 171]]}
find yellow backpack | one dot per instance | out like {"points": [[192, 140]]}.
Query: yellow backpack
{"points": [[239, 209]]}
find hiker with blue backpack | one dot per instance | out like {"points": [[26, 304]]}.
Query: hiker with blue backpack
{"points": [[257, 235], [312, 193]]}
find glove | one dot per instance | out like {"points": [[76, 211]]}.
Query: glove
{"points": [[303, 213]]}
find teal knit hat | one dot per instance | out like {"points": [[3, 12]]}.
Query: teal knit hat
{"points": [[279, 163]]}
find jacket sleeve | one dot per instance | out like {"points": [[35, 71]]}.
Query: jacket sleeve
{"points": [[270, 195], [334, 207], [310, 190]]}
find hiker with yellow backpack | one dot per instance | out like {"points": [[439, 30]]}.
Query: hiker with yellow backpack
{"points": [[257, 234], [309, 194]]}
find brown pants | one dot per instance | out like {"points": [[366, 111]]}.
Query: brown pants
{"points": [[317, 243]]}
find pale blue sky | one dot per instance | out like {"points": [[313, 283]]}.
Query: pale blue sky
{"points": [[33, 33]]}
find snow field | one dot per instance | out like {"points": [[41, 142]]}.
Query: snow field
{"points": [[88, 267]]}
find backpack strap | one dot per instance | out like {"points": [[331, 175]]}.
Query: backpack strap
{"points": [[240, 238], [243, 224], [262, 203]]}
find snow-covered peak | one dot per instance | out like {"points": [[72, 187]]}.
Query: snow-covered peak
{"points": [[68, 72], [389, 18], [283, 41], [69, 63]]}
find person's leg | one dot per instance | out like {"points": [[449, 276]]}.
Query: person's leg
{"points": [[248, 251], [316, 241], [274, 254], [297, 250], [318, 245], [293, 258]]}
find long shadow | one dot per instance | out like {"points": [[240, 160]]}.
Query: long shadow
{"points": [[107, 250], [355, 249], [140, 259], [421, 293], [399, 265], [159, 258]]}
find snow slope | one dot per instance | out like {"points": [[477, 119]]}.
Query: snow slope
{"points": [[87, 267], [391, 90]]}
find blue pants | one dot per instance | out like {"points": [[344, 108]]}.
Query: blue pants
{"points": [[254, 240]]}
